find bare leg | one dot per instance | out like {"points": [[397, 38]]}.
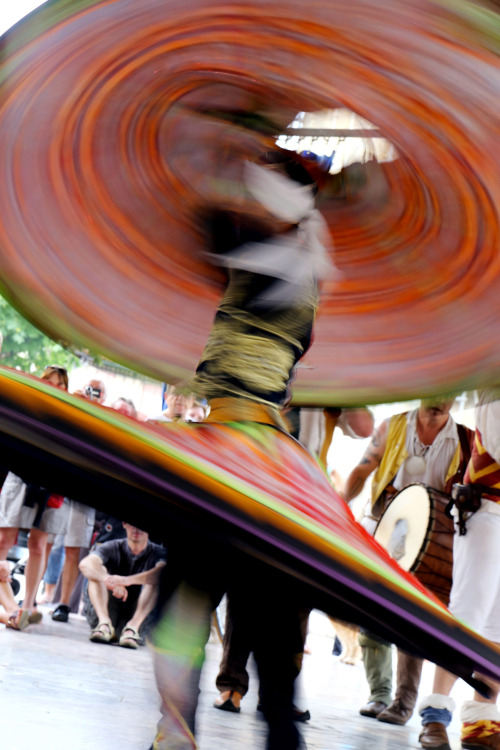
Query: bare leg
{"points": [[98, 595], [48, 593], [7, 598], [443, 681], [69, 573], [8, 538], [17, 620], [145, 605], [48, 550], [35, 567]]}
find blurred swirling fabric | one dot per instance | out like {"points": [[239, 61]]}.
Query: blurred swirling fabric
{"points": [[106, 167], [250, 485]]}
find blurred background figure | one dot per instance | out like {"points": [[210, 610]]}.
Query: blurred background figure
{"points": [[57, 376], [125, 406], [177, 404], [94, 390], [26, 506], [196, 413], [55, 562]]}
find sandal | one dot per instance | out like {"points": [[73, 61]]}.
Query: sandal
{"points": [[129, 638], [18, 620], [103, 633], [34, 617]]}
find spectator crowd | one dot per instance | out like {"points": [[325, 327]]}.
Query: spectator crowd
{"points": [[80, 559]]}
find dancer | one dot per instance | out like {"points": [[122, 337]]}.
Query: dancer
{"points": [[274, 252]]}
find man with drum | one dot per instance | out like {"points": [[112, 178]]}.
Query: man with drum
{"points": [[475, 593], [422, 446]]}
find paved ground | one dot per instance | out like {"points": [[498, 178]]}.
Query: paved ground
{"points": [[59, 691]]}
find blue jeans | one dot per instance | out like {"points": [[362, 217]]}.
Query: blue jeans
{"points": [[56, 561], [430, 715]]}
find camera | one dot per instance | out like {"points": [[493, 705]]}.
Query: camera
{"points": [[92, 393]]}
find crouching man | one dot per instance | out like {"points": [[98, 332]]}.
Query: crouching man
{"points": [[123, 577]]}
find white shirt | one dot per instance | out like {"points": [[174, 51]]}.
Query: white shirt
{"points": [[312, 428], [437, 457], [159, 418]]}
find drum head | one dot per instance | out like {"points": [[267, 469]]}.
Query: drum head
{"points": [[403, 528]]}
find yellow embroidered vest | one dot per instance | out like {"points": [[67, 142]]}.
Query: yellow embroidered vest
{"points": [[394, 455]]}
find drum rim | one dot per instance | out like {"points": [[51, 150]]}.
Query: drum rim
{"points": [[443, 593]]}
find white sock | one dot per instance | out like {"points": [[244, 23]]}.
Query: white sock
{"points": [[472, 711], [436, 700]]}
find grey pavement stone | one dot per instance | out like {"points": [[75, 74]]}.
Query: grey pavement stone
{"points": [[59, 691]]}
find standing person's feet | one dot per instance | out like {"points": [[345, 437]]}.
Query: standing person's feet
{"points": [[61, 613], [229, 700], [434, 736], [48, 593], [490, 742], [395, 713], [298, 713], [373, 709], [480, 726], [34, 617]]}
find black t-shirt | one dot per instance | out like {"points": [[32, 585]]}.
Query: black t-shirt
{"points": [[119, 560]]}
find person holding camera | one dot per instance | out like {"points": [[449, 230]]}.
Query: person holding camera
{"points": [[94, 390], [475, 592], [422, 446]]}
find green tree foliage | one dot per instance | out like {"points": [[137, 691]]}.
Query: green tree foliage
{"points": [[27, 348]]}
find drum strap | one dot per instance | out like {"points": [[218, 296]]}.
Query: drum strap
{"points": [[467, 500], [464, 448], [485, 490], [465, 451]]}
